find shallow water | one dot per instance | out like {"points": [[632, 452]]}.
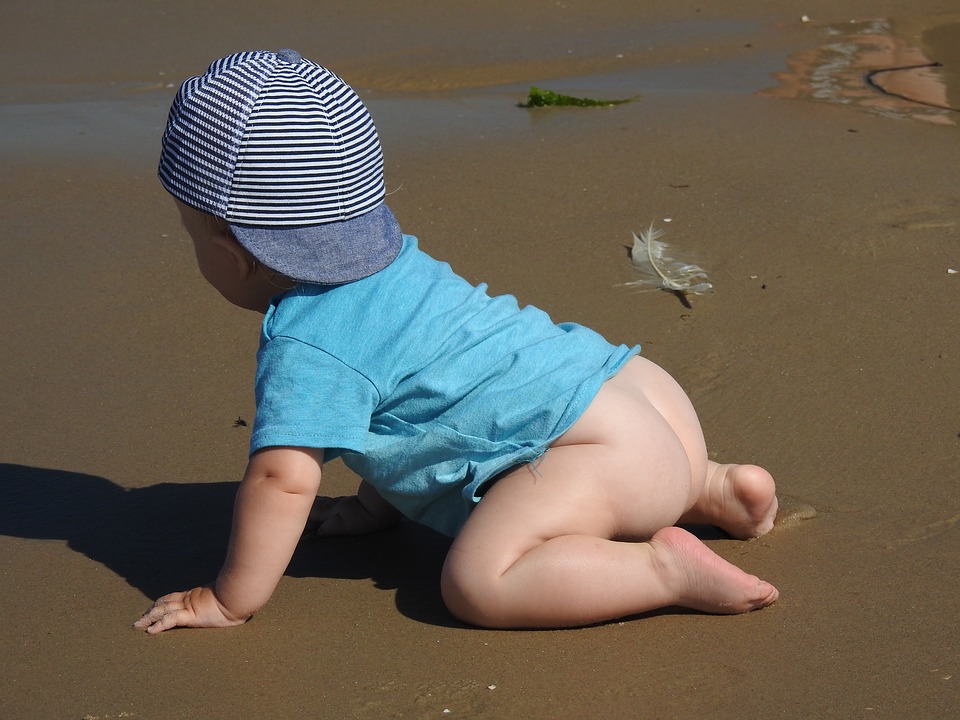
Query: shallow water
{"points": [[901, 68], [906, 67]]}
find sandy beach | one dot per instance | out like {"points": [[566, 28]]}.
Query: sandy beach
{"points": [[825, 208]]}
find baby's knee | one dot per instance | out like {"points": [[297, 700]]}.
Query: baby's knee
{"points": [[468, 597]]}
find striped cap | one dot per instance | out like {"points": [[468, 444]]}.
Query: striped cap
{"points": [[284, 151]]}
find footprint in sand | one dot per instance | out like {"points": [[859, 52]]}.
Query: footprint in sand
{"points": [[925, 531], [926, 218], [936, 213], [398, 699]]}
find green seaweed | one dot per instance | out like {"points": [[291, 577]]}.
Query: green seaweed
{"points": [[547, 98]]}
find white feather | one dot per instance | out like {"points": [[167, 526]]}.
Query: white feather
{"points": [[649, 256]]}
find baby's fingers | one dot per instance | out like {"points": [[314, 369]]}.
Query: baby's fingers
{"points": [[329, 516], [324, 508], [165, 613], [334, 525], [172, 619], [344, 516]]}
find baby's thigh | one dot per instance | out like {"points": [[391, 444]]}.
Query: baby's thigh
{"points": [[646, 419], [605, 491], [528, 506]]}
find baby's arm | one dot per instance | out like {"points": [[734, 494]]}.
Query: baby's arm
{"points": [[365, 512], [272, 507]]}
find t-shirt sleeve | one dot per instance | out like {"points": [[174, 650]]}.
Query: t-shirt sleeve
{"points": [[308, 398]]}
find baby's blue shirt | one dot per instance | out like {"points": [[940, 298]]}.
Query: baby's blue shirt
{"points": [[426, 386]]}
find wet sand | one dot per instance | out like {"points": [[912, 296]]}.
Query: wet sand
{"points": [[828, 352]]}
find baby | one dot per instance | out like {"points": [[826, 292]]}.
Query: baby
{"points": [[559, 463]]}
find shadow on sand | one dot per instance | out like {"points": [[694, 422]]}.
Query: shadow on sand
{"points": [[122, 529]]}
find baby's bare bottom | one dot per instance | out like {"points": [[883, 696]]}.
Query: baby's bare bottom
{"points": [[588, 534]]}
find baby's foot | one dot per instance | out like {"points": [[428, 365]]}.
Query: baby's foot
{"points": [[705, 581], [739, 499]]}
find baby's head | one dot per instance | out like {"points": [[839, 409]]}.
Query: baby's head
{"points": [[285, 154]]}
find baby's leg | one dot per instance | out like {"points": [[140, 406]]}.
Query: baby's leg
{"points": [[740, 499], [534, 569], [545, 547]]}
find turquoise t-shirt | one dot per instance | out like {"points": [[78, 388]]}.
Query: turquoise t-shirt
{"points": [[425, 385]]}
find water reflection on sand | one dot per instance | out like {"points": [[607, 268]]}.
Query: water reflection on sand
{"points": [[904, 68]]}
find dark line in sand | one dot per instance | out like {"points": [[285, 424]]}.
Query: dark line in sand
{"points": [[869, 77]]}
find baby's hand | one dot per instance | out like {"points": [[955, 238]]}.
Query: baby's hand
{"points": [[194, 608], [346, 516]]}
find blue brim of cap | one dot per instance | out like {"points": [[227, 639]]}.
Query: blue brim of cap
{"points": [[328, 254]]}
